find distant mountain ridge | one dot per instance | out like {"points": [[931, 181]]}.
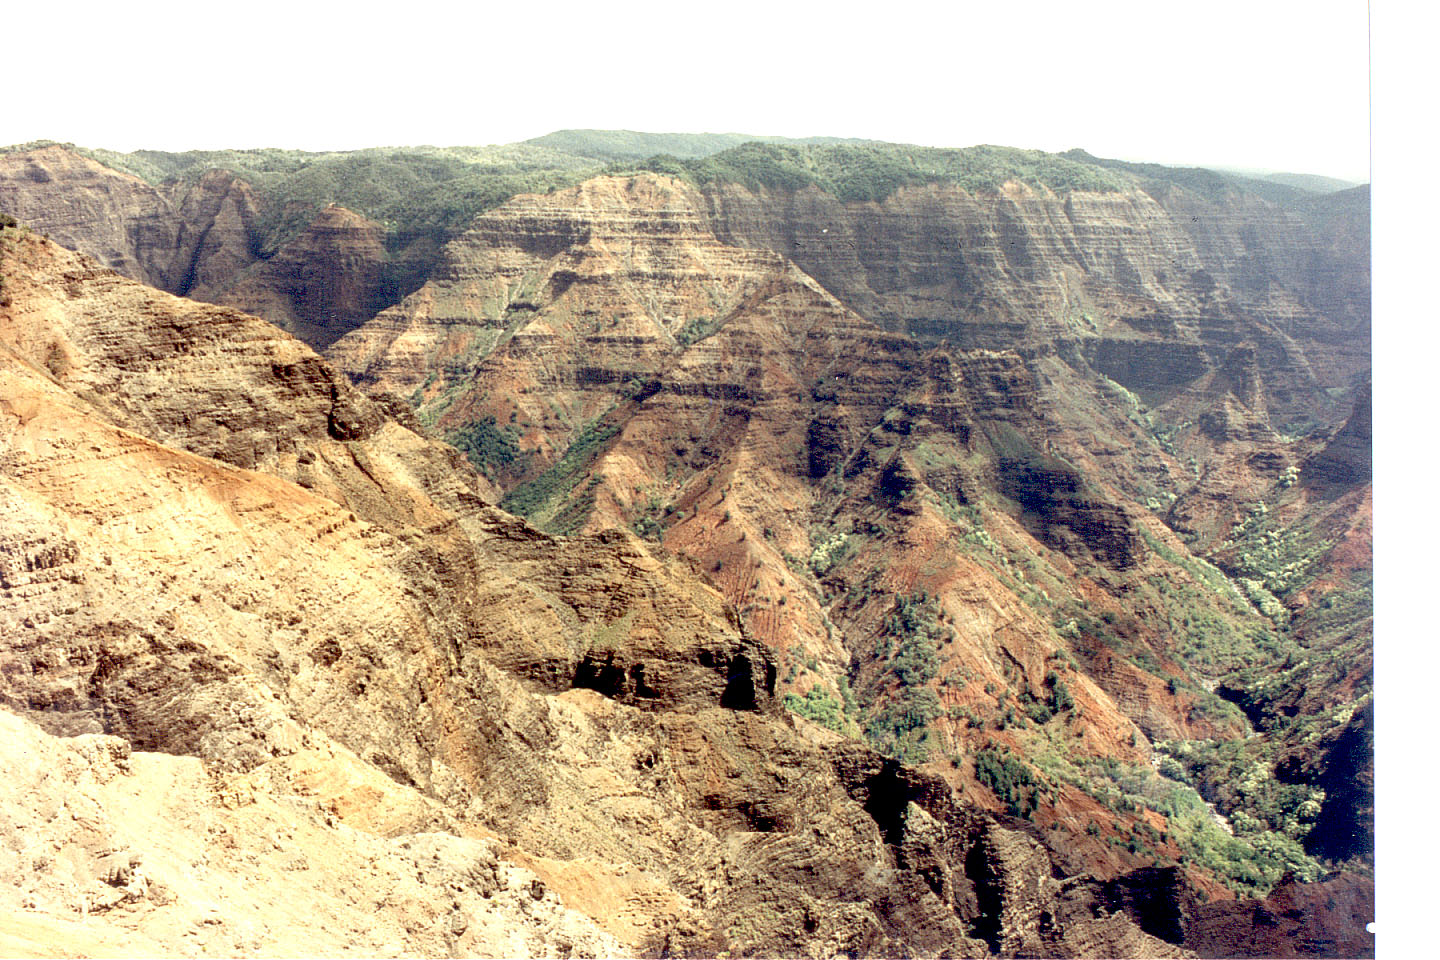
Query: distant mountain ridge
{"points": [[1313, 182], [636, 145]]}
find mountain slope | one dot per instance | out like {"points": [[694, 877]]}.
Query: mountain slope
{"points": [[942, 547], [281, 231], [377, 668], [636, 145]]}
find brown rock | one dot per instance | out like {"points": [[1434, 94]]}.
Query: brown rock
{"points": [[351, 648], [120, 220], [319, 286]]}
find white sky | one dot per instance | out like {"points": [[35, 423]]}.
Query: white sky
{"points": [[1273, 84]]}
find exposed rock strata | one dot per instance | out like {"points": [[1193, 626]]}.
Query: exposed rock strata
{"points": [[120, 220], [1157, 284], [319, 286], [739, 394], [387, 645], [1347, 457], [202, 239], [630, 368]]}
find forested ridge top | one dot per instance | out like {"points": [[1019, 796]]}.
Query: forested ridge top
{"points": [[436, 191]]}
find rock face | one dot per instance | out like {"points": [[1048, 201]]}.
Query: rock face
{"points": [[120, 220], [218, 228], [327, 657], [1006, 482], [1347, 459], [611, 362], [319, 286], [202, 239], [1156, 283], [1296, 920], [120, 851], [955, 550]]}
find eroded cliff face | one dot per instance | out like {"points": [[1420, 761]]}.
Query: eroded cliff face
{"points": [[1004, 482], [319, 286], [912, 531], [120, 220], [202, 239], [1153, 284], [362, 670]]}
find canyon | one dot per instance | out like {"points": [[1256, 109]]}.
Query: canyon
{"points": [[704, 556]]}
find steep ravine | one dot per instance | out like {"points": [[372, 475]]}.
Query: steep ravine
{"points": [[949, 551], [202, 237]]}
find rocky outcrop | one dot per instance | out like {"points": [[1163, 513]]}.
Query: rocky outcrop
{"points": [[218, 234], [117, 849], [624, 282], [1328, 919], [942, 506], [802, 457], [1347, 457], [201, 237], [1054, 498]]}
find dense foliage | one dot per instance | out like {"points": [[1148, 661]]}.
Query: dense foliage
{"points": [[901, 707], [545, 493], [818, 706], [873, 171], [636, 145], [1008, 778], [1207, 183], [486, 445]]}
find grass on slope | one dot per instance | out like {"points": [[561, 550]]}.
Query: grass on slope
{"points": [[546, 500]]}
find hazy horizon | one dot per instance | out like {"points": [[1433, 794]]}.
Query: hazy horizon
{"points": [[1221, 167], [1281, 86]]}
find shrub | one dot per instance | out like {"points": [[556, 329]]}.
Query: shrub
{"points": [[485, 445], [900, 727], [819, 707], [1038, 713], [829, 554], [1060, 699], [1008, 778], [530, 498]]}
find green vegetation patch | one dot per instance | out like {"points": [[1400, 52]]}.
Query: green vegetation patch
{"points": [[901, 706], [697, 329], [487, 446], [1239, 778], [900, 726], [818, 707], [1250, 862], [533, 498], [1248, 854], [874, 171], [1009, 778], [423, 196]]}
